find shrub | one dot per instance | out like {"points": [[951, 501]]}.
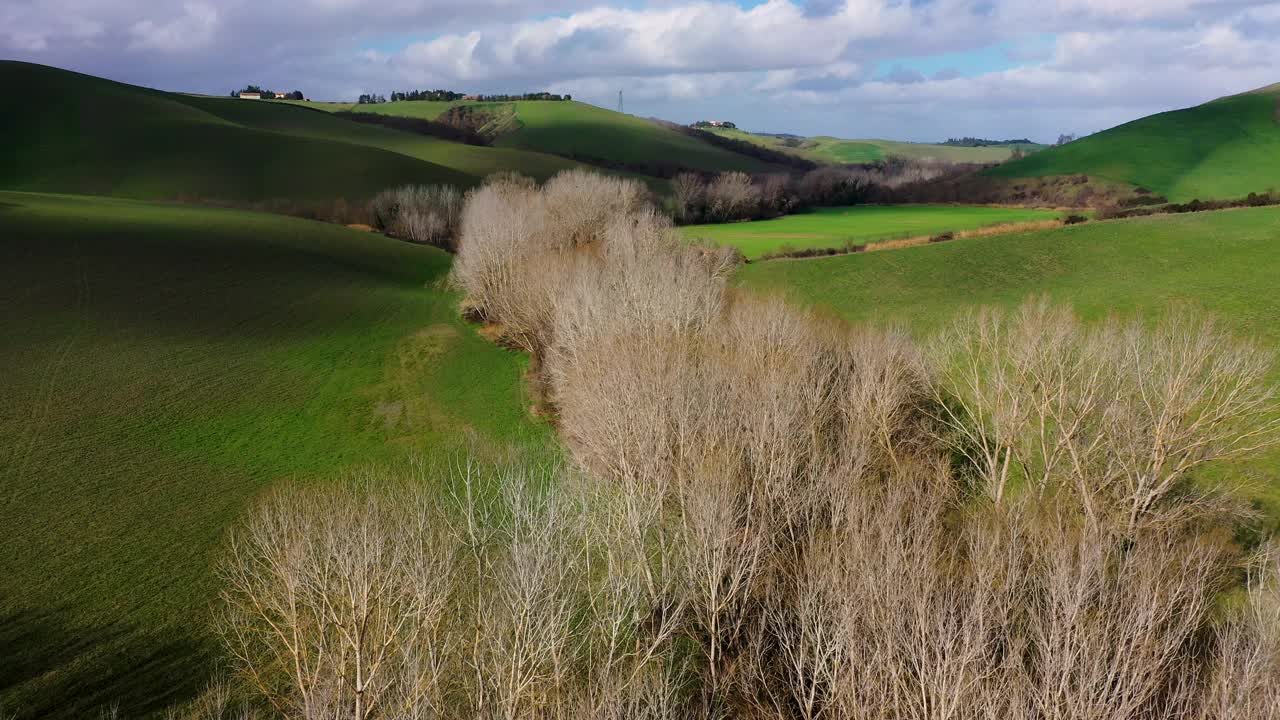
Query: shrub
{"points": [[732, 196], [427, 214]]}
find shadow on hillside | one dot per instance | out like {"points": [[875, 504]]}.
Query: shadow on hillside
{"points": [[48, 666], [169, 277]]}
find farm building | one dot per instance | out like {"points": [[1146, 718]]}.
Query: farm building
{"points": [[250, 96]]}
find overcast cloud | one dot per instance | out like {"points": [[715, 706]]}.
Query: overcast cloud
{"points": [[921, 70]]}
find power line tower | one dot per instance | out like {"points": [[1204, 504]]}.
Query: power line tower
{"points": [[620, 102]]}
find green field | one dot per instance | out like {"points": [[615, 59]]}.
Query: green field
{"points": [[1227, 148], [824, 149], [834, 227], [1222, 263], [163, 365], [582, 130]]}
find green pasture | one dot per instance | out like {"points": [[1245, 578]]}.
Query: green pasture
{"points": [[856, 225], [825, 149], [163, 366]]}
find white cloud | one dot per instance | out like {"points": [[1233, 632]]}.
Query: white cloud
{"points": [[195, 28]]}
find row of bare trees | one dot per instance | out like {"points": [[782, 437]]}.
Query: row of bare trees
{"points": [[427, 214], [733, 196], [766, 513]]}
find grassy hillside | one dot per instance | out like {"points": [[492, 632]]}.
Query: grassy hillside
{"points": [[68, 132], [76, 133], [172, 363], [1224, 263], [581, 130], [836, 150], [474, 160], [1223, 149], [834, 227]]}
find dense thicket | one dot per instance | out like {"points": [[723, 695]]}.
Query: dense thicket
{"points": [[770, 514], [734, 196], [427, 214]]}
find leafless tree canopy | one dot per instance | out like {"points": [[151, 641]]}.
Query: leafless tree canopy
{"points": [[428, 214], [767, 513]]}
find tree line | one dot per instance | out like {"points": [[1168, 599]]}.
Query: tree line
{"points": [[734, 196], [431, 95], [451, 96], [983, 142], [554, 97], [267, 94]]}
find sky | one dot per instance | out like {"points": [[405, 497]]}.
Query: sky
{"points": [[919, 70]]}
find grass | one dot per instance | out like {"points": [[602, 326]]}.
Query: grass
{"points": [[169, 364], [581, 130], [834, 227], [825, 149], [1223, 149], [1223, 263]]}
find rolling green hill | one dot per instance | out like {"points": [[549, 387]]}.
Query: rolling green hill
{"points": [[1224, 263], [825, 149], [1227, 148], [576, 129], [167, 365], [67, 132], [474, 160], [76, 133]]}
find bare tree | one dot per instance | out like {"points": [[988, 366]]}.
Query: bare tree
{"points": [[325, 593], [1245, 681], [689, 193], [1120, 414], [732, 196]]}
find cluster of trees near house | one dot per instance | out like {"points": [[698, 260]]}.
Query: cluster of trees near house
{"points": [[268, 94], [717, 123]]}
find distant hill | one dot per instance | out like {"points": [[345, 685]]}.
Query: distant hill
{"points": [[68, 132], [579, 131], [1222, 149], [826, 149]]}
